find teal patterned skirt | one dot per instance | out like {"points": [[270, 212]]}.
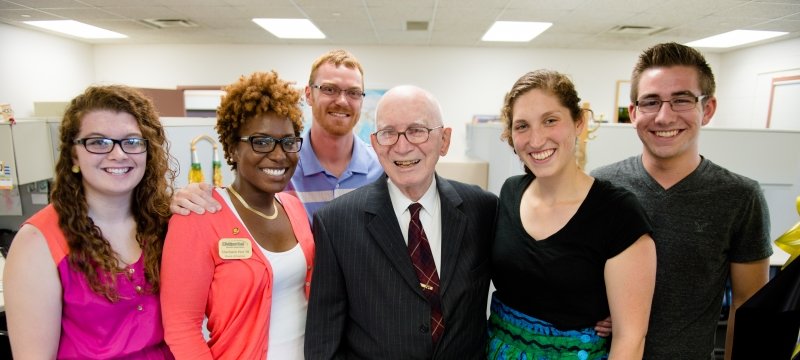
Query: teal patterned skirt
{"points": [[514, 335]]}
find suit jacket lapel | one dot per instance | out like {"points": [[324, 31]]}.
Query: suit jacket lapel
{"points": [[454, 224], [385, 231]]}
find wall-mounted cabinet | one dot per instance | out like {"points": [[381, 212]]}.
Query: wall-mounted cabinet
{"points": [[483, 143], [26, 148]]}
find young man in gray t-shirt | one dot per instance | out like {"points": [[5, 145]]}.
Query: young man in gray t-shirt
{"points": [[708, 223]]}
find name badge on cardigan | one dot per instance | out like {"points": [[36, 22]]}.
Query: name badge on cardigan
{"points": [[235, 248]]}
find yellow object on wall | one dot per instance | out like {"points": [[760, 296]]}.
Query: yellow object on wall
{"points": [[589, 127], [790, 240], [196, 171]]}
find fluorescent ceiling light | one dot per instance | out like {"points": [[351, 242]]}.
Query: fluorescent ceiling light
{"points": [[75, 28], [735, 38], [290, 28], [519, 31]]}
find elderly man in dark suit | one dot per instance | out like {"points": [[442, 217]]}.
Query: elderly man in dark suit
{"points": [[402, 267]]}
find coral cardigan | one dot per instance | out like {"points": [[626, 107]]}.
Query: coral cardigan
{"points": [[234, 292]]}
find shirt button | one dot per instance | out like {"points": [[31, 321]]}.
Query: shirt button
{"points": [[423, 329], [139, 307], [138, 289], [131, 270], [308, 283]]}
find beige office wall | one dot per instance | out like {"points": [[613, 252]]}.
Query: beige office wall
{"points": [[36, 66], [467, 81]]}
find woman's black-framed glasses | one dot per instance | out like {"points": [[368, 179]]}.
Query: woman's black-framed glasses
{"points": [[101, 145], [265, 144]]}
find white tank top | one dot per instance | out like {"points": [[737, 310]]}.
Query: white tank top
{"points": [[287, 325]]}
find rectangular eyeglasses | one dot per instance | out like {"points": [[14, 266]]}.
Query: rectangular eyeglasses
{"points": [[677, 104], [265, 144], [330, 90], [101, 145], [414, 135]]}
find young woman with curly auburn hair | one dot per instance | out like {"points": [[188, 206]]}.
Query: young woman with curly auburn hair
{"points": [[82, 276], [246, 267]]}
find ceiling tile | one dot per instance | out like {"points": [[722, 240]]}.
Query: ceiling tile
{"points": [[778, 25], [460, 4], [546, 4], [88, 14], [14, 17], [541, 15], [124, 3], [144, 12], [53, 4], [7, 5], [759, 11], [335, 13]]}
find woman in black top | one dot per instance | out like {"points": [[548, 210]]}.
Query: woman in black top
{"points": [[569, 249]]}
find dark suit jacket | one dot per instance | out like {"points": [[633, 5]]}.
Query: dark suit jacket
{"points": [[366, 302]]}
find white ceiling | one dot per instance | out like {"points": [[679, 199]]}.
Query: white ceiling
{"points": [[579, 24]]}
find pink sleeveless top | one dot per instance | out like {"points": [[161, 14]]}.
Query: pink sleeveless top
{"points": [[92, 327]]}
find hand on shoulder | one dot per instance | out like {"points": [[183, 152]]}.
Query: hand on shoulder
{"points": [[195, 197]]}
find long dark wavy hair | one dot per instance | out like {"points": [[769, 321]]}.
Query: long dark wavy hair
{"points": [[89, 251]]}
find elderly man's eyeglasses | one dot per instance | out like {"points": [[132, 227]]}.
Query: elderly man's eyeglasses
{"points": [[265, 144], [414, 135], [330, 90], [678, 104], [101, 145]]}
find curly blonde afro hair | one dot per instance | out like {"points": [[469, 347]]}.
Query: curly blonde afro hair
{"points": [[252, 96]]}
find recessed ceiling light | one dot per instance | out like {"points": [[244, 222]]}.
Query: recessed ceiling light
{"points": [[519, 31], [76, 28], [290, 28], [735, 38]]}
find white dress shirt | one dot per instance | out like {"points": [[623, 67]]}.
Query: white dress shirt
{"points": [[430, 216]]}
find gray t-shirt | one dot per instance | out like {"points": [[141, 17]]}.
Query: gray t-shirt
{"points": [[700, 225]]}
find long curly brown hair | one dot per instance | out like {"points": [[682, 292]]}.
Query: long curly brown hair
{"points": [[89, 251], [253, 96]]}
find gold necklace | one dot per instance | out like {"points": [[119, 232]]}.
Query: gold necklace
{"points": [[259, 213]]}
